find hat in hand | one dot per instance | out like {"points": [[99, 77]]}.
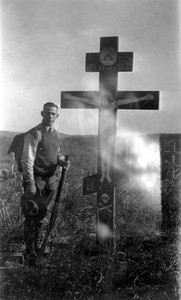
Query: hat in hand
{"points": [[34, 207]]}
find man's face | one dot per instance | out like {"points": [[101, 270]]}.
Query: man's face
{"points": [[49, 114]]}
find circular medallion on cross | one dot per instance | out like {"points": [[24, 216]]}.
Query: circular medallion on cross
{"points": [[108, 56]]}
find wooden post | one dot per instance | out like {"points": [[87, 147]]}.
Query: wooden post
{"points": [[108, 63], [170, 153]]}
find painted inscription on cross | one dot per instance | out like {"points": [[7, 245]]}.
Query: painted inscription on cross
{"points": [[107, 100]]}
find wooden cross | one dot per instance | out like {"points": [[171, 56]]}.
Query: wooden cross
{"points": [[174, 153], [107, 100]]}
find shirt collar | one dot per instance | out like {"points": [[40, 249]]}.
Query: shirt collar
{"points": [[47, 128]]}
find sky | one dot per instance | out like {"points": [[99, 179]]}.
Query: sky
{"points": [[43, 48]]}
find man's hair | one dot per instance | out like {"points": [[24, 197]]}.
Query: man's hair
{"points": [[50, 104]]}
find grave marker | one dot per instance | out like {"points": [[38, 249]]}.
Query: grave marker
{"points": [[107, 100], [170, 153]]}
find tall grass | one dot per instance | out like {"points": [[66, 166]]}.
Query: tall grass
{"points": [[76, 267], [11, 217]]}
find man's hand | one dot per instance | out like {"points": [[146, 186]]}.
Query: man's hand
{"points": [[67, 96], [149, 97], [62, 162], [31, 189]]}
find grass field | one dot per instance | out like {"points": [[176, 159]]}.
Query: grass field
{"points": [[144, 265]]}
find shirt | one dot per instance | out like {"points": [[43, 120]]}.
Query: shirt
{"points": [[30, 149]]}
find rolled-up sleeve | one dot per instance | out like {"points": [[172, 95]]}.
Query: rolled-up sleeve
{"points": [[60, 146], [28, 156]]}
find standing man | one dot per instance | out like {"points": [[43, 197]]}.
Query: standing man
{"points": [[42, 153]]}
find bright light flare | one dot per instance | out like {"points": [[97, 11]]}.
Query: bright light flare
{"points": [[148, 181], [144, 161], [103, 231], [147, 154]]}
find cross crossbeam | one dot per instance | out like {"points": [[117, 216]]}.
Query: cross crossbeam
{"points": [[144, 100]]}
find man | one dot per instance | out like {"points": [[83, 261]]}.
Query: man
{"points": [[40, 158]]}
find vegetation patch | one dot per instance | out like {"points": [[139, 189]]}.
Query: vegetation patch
{"points": [[144, 264]]}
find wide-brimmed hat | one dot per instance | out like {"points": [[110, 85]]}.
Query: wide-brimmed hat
{"points": [[34, 207]]}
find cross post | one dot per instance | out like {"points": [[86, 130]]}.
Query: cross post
{"points": [[107, 100], [170, 154]]}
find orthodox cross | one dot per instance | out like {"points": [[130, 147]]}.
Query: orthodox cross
{"points": [[107, 100], [175, 154], [170, 154]]}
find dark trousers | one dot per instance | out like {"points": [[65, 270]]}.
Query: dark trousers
{"points": [[45, 188]]}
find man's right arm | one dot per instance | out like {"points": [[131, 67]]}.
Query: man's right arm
{"points": [[27, 160]]}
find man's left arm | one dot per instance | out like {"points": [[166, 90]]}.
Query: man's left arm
{"points": [[60, 157]]}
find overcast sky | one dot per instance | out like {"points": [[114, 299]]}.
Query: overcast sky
{"points": [[44, 43]]}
